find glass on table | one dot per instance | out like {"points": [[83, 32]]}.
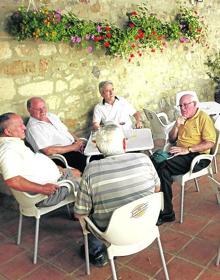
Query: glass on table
{"points": [[93, 135]]}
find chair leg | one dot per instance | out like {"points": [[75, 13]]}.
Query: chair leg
{"points": [[86, 244], [36, 240], [68, 209], [114, 275], [215, 165], [19, 229], [197, 185], [218, 256], [162, 259], [182, 203]]}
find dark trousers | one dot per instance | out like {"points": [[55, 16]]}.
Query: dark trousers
{"points": [[95, 245], [175, 166], [74, 159]]}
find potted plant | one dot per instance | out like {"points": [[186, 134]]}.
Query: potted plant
{"points": [[213, 63]]}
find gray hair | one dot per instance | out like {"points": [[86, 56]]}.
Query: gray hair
{"points": [[103, 84], [3, 121], [193, 96], [109, 140]]}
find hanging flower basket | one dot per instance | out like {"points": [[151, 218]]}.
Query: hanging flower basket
{"points": [[143, 32]]}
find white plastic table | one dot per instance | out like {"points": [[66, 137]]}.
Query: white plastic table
{"points": [[210, 107], [137, 140]]}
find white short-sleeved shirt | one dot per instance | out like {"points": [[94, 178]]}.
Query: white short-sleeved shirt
{"points": [[16, 159], [119, 112], [42, 134]]}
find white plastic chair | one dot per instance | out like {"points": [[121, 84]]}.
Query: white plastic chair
{"points": [[159, 123], [61, 158], [183, 178], [131, 229], [27, 207], [218, 256]]}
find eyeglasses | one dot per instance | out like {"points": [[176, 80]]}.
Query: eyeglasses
{"points": [[186, 105], [39, 109]]}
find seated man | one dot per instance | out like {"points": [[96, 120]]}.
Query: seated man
{"points": [[47, 134], [111, 182], [26, 171], [114, 108], [194, 133]]}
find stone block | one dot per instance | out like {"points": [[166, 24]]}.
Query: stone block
{"points": [[47, 49], [5, 50], [18, 67], [35, 89], [7, 89]]}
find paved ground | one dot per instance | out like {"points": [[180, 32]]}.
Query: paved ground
{"points": [[190, 248]]}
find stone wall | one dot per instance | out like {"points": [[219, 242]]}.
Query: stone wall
{"points": [[68, 77]]}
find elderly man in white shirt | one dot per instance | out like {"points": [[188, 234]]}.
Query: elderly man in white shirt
{"points": [[27, 171], [47, 134], [114, 108]]}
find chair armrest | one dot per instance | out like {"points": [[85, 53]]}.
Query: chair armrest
{"points": [[34, 198], [61, 158], [83, 139], [88, 226], [197, 160], [92, 226], [68, 184], [163, 116]]}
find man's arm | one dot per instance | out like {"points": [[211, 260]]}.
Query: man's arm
{"points": [[137, 117], [76, 146], [21, 184], [203, 146], [173, 134], [95, 125]]}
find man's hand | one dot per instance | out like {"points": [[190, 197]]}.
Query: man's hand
{"points": [[180, 121], [49, 189], [76, 172], [176, 151], [78, 146], [138, 124]]}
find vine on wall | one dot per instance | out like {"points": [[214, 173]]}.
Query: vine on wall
{"points": [[143, 32]]}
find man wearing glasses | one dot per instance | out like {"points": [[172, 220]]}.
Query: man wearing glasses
{"points": [[193, 133]]}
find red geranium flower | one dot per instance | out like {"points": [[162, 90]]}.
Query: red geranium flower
{"points": [[109, 35], [96, 39], [107, 28], [134, 13], [132, 55], [133, 46], [131, 25], [106, 44]]}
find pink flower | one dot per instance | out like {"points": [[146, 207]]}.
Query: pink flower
{"points": [[73, 39], [184, 40], [90, 49], [78, 39], [99, 28]]}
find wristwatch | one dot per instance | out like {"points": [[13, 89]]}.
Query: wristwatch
{"points": [[190, 149]]}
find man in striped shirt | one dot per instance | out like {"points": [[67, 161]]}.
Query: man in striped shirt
{"points": [[111, 182]]}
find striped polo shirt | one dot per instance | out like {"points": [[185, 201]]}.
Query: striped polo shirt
{"points": [[112, 182]]}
